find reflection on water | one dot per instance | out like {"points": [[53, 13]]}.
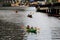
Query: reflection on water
{"points": [[38, 19], [31, 36]]}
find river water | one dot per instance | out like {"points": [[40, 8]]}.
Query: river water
{"points": [[40, 20]]}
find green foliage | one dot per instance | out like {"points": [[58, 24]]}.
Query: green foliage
{"points": [[49, 1], [0, 0], [6, 4]]}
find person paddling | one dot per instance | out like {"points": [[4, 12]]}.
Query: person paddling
{"points": [[32, 30], [28, 28]]}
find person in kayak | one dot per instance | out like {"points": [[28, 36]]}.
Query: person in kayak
{"points": [[32, 30], [28, 28]]}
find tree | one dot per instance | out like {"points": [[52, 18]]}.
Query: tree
{"points": [[51, 1], [54, 1]]}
